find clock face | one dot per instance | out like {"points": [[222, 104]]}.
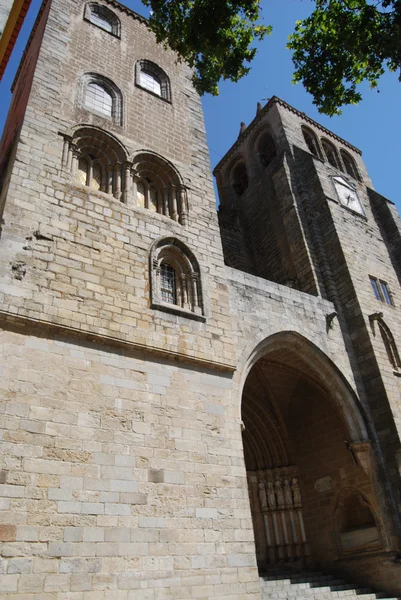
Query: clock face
{"points": [[348, 195]]}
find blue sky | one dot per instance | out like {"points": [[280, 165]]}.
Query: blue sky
{"points": [[374, 125]]}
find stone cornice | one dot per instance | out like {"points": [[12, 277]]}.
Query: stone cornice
{"points": [[253, 124], [43, 327]]}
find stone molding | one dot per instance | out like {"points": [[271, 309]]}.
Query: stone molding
{"points": [[44, 327]]}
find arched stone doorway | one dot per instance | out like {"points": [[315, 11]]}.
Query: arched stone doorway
{"points": [[308, 459]]}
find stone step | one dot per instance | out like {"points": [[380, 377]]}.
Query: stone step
{"points": [[313, 585]]}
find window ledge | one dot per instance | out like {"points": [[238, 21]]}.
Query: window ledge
{"points": [[177, 310], [141, 87]]}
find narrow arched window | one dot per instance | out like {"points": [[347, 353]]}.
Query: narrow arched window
{"points": [[311, 141], [266, 149], [167, 284], [240, 179], [331, 154], [103, 17], [152, 78], [389, 344], [349, 165], [98, 99]]}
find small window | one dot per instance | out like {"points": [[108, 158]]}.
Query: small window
{"points": [[381, 291], [349, 165], [103, 17], [266, 149], [311, 142], [167, 284], [240, 177], [331, 154], [152, 78]]}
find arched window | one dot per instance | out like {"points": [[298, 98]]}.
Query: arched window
{"points": [[175, 279], [159, 188], [102, 97], [103, 17], [240, 178], [311, 142], [97, 160], [349, 165], [331, 154], [152, 78], [266, 149]]}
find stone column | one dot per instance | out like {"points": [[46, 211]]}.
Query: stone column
{"points": [[110, 179], [117, 187], [183, 207], [66, 147], [127, 184], [174, 212], [166, 207]]}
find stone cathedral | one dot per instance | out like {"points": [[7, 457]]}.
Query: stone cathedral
{"points": [[193, 404]]}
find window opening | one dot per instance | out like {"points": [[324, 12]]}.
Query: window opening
{"points": [[266, 149], [330, 153], [240, 179], [96, 183], [104, 18], [98, 99], [149, 82], [349, 165], [153, 199], [151, 77], [100, 21], [140, 192], [311, 142], [82, 173], [167, 284], [381, 291]]}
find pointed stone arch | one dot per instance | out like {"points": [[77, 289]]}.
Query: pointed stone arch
{"points": [[320, 367]]}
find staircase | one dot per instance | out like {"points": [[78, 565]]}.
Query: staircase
{"points": [[312, 585]]}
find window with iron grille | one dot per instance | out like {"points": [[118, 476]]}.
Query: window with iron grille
{"points": [[98, 99], [103, 17], [150, 77], [167, 284]]}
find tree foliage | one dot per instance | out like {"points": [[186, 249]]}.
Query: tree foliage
{"points": [[343, 43], [215, 37]]}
